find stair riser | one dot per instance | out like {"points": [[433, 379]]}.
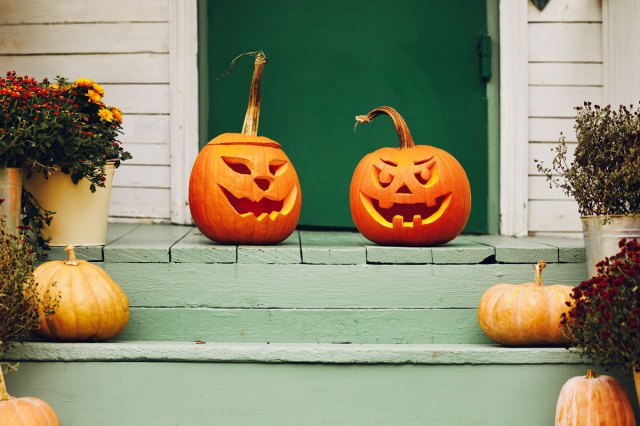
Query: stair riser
{"points": [[160, 393]]}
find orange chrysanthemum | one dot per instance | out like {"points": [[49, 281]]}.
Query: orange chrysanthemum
{"points": [[98, 89], [94, 97], [117, 114], [105, 115], [83, 82]]}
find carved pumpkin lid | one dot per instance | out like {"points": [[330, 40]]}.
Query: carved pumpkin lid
{"points": [[242, 139]]}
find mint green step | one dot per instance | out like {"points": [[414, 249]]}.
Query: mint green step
{"points": [[317, 287], [173, 383]]}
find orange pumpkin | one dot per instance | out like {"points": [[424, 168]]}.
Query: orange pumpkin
{"points": [[24, 411], [524, 314], [413, 195], [91, 305], [594, 400], [243, 188]]}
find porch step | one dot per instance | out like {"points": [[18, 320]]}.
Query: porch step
{"points": [[325, 328], [189, 383]]}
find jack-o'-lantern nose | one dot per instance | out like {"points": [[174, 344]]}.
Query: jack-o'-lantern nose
{"points": [[263, 183]]}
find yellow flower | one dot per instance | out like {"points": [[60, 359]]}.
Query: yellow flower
{"points": [[105, 115], [117, 114], [98, 89], [83, 82], [55, 86], [94, 97]]}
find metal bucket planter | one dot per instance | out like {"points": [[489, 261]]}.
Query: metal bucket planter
{"points": [[601, 240], [11, 194], [80, 216]]}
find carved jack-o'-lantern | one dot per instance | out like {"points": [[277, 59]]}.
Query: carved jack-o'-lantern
{"points": [[243, 188], [412, 195]]}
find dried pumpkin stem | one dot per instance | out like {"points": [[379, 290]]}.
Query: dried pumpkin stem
{"points": [[252, 117], [591, 374], [538, 267], [73, 260], [4, 395], [406, 141]]}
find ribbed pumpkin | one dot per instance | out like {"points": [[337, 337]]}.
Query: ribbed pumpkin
{"points": [[27, 411], [524, 314], [594, 400], [415, 195], [243, 188], [91, 305]]}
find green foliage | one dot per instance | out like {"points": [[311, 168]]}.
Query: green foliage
{"points": [[19, 299], [604, 319], [604, 177]]}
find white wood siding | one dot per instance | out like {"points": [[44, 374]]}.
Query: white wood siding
{"points": [[565, 69], [123, 45]]}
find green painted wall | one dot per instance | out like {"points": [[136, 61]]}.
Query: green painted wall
{"points": [[333, 59]]}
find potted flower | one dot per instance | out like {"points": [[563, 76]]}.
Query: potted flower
{"points": [[603, 322], [19, 302], [604, 177], [64, 138]]}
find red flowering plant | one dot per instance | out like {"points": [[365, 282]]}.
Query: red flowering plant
{"points": [[65, 126], [604, 320]]}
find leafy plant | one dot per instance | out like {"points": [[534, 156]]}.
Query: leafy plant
{"points": [[604, 177], [604, 319], [64, 126], [19, 298]]}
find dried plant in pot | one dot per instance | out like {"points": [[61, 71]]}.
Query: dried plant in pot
{"points": [[604, 320], [604, 176], [18, 315]]}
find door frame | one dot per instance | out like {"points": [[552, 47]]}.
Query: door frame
{"points": [[186, 126]]}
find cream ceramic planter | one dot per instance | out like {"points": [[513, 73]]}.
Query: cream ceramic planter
{"points": [[11, 195], [601, 240], [80, 216]]}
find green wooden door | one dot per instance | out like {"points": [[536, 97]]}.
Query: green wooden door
{"points": [[330, 60]]}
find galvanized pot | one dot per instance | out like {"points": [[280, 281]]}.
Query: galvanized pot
{"points": [[601, 240], [11, 194]]}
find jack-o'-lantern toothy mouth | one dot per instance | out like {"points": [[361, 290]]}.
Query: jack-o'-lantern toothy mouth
{"points": [[406, 215], [263, 208]]}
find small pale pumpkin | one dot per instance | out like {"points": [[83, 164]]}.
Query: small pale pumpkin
{"points": [[91, 305], [594, 400], [524, 314], [24, 411]]}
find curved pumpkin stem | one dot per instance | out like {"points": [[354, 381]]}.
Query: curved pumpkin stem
{"points": [[252, 117], [4, 395], [73, 260], [591, 374], [537, 280], [406, 141]]}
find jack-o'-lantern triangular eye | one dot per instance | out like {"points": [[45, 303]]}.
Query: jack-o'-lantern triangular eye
{"points": [[277, 167], [238, 165]]}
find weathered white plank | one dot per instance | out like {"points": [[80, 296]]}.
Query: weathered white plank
{"points": [[153, 129], [567, 11], [84, 38], [115, 68], [539, 190], [140, 203], [138, 98], [570, 74], [559, 101], [552, 216], [565, 42], [46, 11], [148, 154], [549, 129], [142, 176], [545, 152]]}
